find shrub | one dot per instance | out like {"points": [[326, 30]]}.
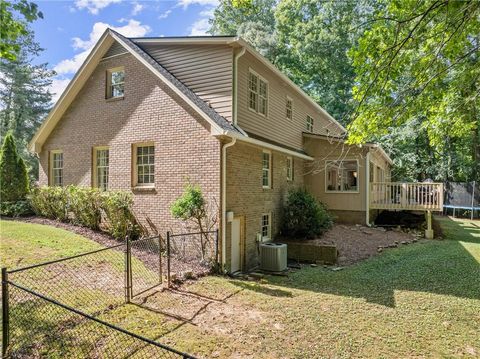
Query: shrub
{"points": [[304, 216], [119, 219], [50, 202], [13, 172], [110, 211], [15, 209]]}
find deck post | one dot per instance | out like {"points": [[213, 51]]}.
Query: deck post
{"points": [[429, 230]]}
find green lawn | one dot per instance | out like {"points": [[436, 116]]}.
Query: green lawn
{"points": [[420, 300]]}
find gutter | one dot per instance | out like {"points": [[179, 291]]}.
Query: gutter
{"points": [[235, 87], [224, 200], [367, 192]]}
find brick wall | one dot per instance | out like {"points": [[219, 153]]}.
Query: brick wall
{"points": [[246, 197], [150, 112]]}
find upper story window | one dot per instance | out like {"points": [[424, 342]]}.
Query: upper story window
{"points": [[257, 93], [56, 168], [289, 169], [115, 82], [266, 169], [144, 165], [289, 108], [101, 159], [341, 176], [309, 123]]}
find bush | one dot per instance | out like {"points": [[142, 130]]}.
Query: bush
{"points": [[15, 209], [304, 216], [13, 173], [119, 219], [110, 211]]}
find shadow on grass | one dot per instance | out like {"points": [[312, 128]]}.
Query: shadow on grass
{"points": [[446, 267]]}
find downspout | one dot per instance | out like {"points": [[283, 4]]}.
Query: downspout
{"points": [[367, 188], [224, 156], [235, 79], [224, 200]]}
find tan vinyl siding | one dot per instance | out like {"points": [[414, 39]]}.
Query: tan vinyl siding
{"points": [[115, 49], [206, 69], [275, 126]]}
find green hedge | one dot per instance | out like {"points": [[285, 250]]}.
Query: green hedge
{"points": [[109, 211]]}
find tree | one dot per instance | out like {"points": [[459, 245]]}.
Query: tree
{"points": [[13, 172], [419, 63], [13, 26], [192, 206], [24, 97]]}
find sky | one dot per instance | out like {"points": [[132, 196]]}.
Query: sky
{"points": [[70, 29]]}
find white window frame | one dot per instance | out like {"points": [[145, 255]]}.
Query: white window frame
{"points": [[52, 169], [135, 165], [258, 96], [310, 123], [327, 173], [268, 226], [96, 167], [110, 85], [268, 170], [288, 108], [290, 169]]}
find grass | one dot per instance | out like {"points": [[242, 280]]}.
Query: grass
{"points": [[420, 300]]}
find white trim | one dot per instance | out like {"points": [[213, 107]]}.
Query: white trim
{"points": [[269, 227], [135, 183], [269, 153], [367, 187], [267, 145], [263, 79], [110, 57], [51, 181], [358, 176]]}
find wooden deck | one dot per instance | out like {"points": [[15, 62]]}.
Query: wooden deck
{"points": [[406, 196]]}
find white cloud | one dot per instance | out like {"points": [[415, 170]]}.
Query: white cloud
{"points": [[132, 29], [187, 3], [199, 27], [165, 14], [94, 6], [137, 8], [57, 87]]}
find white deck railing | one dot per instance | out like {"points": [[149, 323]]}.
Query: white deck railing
{"points": [[407, 196]]}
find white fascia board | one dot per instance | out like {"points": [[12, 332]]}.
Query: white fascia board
{"points": [[267, 145]]}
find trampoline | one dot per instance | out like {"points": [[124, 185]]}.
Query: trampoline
{"points": [[462, 196]]}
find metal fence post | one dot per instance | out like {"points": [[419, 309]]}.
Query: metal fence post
{"points": [[160, 259], [128, 269], [5, 313], [168, 259]]}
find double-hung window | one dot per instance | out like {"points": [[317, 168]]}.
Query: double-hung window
{"points": [[257, 93], [341, 176], [266, 169], [309, 123], [101, 159], [289, 108], [116, 83], [56, 168], [144, 159], [289, 169], [266, 227]]}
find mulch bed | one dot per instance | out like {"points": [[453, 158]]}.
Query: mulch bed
{"points": [[356, 243]]}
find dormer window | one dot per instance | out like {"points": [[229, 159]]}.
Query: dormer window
{"points": [[115, 83]]}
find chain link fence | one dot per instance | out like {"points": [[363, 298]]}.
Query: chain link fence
{"points": [[191, 255], [53, 309]]}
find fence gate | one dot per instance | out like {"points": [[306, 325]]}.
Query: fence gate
{"points": [[143, 259]]}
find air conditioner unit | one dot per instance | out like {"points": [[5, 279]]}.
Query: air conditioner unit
{"points": [[273, 257]]}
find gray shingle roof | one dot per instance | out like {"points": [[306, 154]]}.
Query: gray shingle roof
{"points": [[210, 112]]}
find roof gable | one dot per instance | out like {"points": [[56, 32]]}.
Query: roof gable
{"points": [[101, 49]]}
